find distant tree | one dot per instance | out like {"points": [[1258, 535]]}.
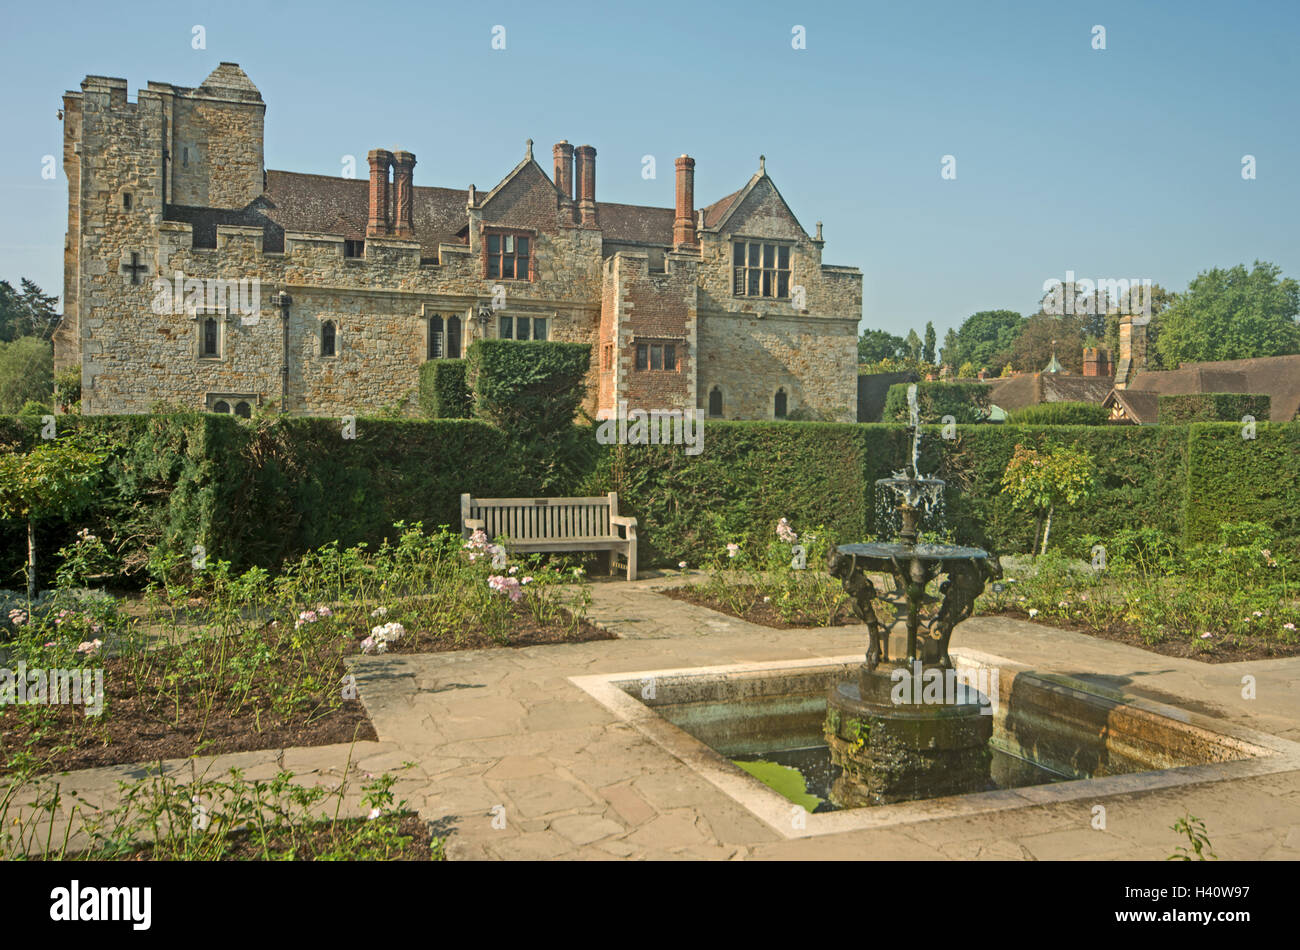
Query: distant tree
{"points": [[985, 336], [948, 352], [28, 312], [913, 346], [927, 350], [967, 370], [1231, 315], [875, 346], [26, 372], [1045, 334]]}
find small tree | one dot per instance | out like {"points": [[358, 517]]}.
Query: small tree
{"points": [[1039, 481], [52, 480]]}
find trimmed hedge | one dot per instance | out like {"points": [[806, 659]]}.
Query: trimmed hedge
{"points": [[261, 492], [1232, 478], [444, 390], [1061, 414], [965, 402], [532, 387], [748, 476], [1212, 407]]}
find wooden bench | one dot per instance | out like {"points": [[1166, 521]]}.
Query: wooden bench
{"points": [[531, 525]]}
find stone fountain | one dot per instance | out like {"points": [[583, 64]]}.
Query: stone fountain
{"points": [[906, 728]]}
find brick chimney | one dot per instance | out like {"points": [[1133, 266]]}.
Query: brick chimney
{"points": [[404, 202], [563, 153], [1090, 361], [684, 223], [586, 156], [380, 222], [1132, 350]]}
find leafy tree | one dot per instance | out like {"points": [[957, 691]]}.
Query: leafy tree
{"points": [[948, 352], [1040, 481], [875, 346], [912, 346], [967, 370], [54, 479], [985, 336], [927, 351], [26, 372], [1045, 334], [1231, 315]]}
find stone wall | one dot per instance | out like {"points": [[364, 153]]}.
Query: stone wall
{"points": [[133, 358]]}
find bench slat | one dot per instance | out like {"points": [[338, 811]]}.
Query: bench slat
{"points": [[599, 501]]}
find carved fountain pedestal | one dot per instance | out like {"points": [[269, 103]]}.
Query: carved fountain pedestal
{"points": [[906, 728]]}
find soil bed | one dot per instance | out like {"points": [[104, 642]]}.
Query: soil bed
{"points": [[141, 724]]}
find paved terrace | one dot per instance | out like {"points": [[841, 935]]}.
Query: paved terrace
{"points": [[506, 727]]}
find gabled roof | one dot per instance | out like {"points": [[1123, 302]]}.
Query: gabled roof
{"points": [[714, 213], [737, 199], [1140, 408]]}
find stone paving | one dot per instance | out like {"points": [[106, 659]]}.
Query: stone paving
{"points": [[514, 761]]}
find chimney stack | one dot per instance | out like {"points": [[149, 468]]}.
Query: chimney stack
{"points": [[380, 223], [1132, 350], [563, 153], [586, 156], [684, 223], [404, 203]]}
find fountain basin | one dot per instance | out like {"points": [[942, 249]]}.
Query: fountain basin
{"points": [[1055, 739]]}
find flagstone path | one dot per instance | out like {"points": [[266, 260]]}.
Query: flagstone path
{"points": [[513, 761]]}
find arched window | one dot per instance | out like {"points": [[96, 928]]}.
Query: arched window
{"points": [[221, 406], [327, 338], [779, 404], [243, 410], [210, 337], [715, 402], [435, 338], [453, 338]]}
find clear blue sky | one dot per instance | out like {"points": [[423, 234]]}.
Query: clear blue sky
{"points": [[1117, 163]]}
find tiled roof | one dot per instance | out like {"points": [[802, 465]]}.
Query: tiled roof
{"points": [[637, 224], [714, 213], [1030, 389], [1279, 376], [295, 201]]}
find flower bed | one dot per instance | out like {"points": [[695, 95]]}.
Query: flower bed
{"points": [[773, 582], [227, 662]]}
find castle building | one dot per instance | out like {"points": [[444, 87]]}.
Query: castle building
{"points": [[196, 278]]}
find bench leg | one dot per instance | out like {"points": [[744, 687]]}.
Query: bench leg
{"points": [[631, 560]]}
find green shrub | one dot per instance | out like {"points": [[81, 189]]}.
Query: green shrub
{"points": [[532, 392], [1061, 414], [444, 392], [1212, 407], [528, 387], [965, 402]]}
